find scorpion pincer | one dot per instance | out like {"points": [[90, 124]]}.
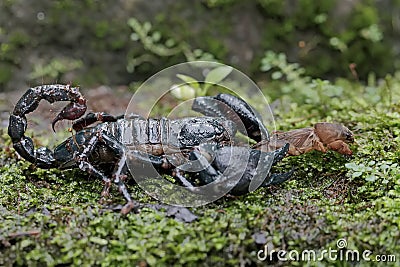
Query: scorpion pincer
{"points": [[102, 150]]}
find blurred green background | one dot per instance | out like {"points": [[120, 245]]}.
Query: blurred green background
{"points": [[93, 42]]}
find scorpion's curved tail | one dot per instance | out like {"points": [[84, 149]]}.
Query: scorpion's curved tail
{"points": [[42, 157]]}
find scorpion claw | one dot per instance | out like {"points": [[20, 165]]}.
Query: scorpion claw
{"points": [[278, 178], [280, 153], [72, 111], [53, 123]]}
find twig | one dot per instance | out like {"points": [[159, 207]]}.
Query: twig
{"points": [[20, 234]]}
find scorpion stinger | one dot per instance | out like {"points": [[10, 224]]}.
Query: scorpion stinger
{"points": [[42, 157]]}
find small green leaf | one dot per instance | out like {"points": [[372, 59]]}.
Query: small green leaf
{"points": [[265, 66], [170, 42], [385, 166], [135, 37], [276, 75], [147, 26], [217, 75], [156, 36], [190, 80], [371, 178], [320, 18], [24, 243], [351, 166], [183, 92], [133, 22], [98, 240]]}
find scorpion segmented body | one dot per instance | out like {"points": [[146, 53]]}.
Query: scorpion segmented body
{"points": [[153, 136], [109, 143]]}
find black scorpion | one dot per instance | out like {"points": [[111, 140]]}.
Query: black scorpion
{"points": [[162, 142]]}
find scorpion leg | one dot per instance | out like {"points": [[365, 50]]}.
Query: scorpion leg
{"points": [[84, 164], [208, 174], [82, 159], [119, 174], [140, 157], [91, 118], [280, 153], [160, 163], [42, 157], [234, 109], [278, 178], [180, 176]]}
